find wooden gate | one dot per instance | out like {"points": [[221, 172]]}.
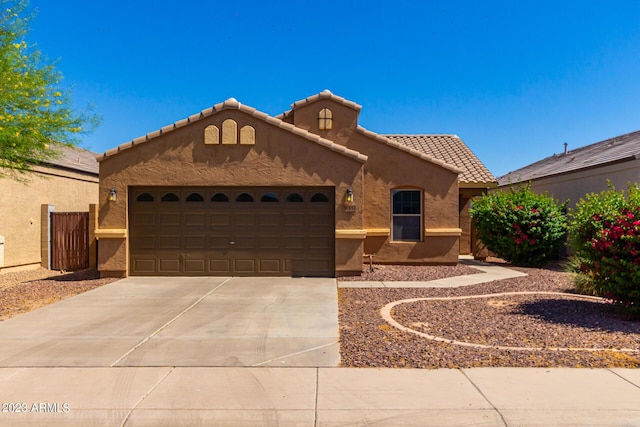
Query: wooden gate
{"points": [[69, 240]]}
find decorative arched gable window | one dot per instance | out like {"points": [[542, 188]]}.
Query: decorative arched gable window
{"points": [[325, 119]]}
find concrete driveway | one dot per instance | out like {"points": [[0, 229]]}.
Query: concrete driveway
{"points": [[182, 322]]}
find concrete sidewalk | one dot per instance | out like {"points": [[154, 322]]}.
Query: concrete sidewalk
{"points": [[239, 396], [490, 273]]}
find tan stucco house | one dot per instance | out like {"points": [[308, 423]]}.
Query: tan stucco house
{"points": [[573, 173], [68, 183], [234, 191]]}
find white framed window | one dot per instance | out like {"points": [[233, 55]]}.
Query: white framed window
{"points": [[406, 215]]}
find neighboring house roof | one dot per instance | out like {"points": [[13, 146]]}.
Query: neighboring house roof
{"points": [[77, 159], [450, 149], [231, 103], [614, 150]]}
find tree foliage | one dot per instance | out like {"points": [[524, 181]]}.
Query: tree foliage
{"points": [[520, 225], [35, 110], [605, 234]]}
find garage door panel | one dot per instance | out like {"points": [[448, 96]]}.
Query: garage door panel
{"points": [[269, 242], [269, 266], [240, 219], [294, 242], [320, 242], [195, 219], [219, 242], [243, 242], [168, 265], [270, 219], [320, 220], [244, 265], [144, 219], [294, 220], [143, 242], [222, 219], [144, 265], [216, 235], [195, 265], [169, 242], [194, 242], [169, 219], [220, 266]]}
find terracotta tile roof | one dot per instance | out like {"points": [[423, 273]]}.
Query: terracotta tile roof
{"points": [[389, 140], [452, 150], [325, 94], [613, 150], [77, 159], [231, 103]]}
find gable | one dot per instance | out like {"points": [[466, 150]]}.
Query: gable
{"points": [[232, 104]]}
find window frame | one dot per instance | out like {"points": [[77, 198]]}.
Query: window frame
{"points": [[419, 215]]}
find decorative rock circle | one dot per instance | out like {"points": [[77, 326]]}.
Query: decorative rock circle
{"points": [[385, 312]]}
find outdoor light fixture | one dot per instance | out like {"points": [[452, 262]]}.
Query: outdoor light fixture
{"points": [[113, 194], [349, 195]]}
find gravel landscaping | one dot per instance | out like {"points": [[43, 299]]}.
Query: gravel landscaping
{"points": [[539, 321], [24, 291]]}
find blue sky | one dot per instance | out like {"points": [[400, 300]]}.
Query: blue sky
{"points": [[514, 79]]}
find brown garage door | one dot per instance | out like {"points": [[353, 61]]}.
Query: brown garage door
{"points": [[248, 231]]}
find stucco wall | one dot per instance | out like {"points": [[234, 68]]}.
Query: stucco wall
{"points": [[389, 168], [20, 204], [180, 158]]}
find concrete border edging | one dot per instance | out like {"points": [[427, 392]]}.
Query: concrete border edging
{"points": [[385, 312]]}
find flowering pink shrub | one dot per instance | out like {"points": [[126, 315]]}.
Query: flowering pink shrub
{"points": [[606, 237]]}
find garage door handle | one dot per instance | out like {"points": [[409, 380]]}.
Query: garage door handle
{"points": [[232, 243]]}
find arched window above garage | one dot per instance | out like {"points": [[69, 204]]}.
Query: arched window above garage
{"points": [[244, 197], [319, 198], [269, 198], [195, 197], [294, 197], [144, 197], [170, 197], [219, 197]]}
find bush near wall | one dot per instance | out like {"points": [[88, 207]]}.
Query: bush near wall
{"points": [[605, 234], [519, 225]]}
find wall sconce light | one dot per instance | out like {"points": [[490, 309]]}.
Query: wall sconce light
{"points": [[349, 206], [113, 193]]}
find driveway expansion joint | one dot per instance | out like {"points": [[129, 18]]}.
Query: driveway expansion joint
{"points": [[160, 329]]}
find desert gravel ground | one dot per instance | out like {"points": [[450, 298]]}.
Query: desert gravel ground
{"points": [[536, 321], [27, 290]]}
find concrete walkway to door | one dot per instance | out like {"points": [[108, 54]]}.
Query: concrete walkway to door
{"points": [[203, 322]]}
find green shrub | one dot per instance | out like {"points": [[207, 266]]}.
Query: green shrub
{"points": [[605, 234], [519, 225]]}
